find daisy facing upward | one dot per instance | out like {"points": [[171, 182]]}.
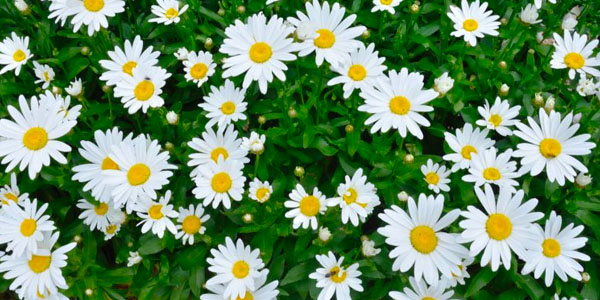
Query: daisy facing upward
{"points": [[123, 61], [576, 54], [14, 53], [436, 176], [473, 21], [333, 279], [224, 104], [356, 198], [465, 143], [304, 208], [499, 117]]}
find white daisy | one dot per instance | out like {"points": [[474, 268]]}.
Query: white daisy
{"points": [[575, 53], [44, 73], [396, 102], [111, 230], [260, 191], [198, 67], [436, 176], [236, 266], [156, 215], [75, 88], [332, 278], [224, 104], [122, 62], [258, 48], [499, 117], [224, 143], [459, 278], [92, 13], [255, 143], [133, 259], [22, 227], [551, 145], [360, 71], [356, 198], [333, 39], [10, 194], [261, 292], [31, 138], [167, 12], [387, 5], [62, 106], [418, 239], [304, 208], [14, 53], [465, 143], [558, 251], [220, 181], [191, 221], [473, 21], [143, 89], [486, 167], [421, 291], [504, 226], [97, 216]]}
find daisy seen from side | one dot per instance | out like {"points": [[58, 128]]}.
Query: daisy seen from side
{"points": [[356, 197], [260, 190], [499, 117]]}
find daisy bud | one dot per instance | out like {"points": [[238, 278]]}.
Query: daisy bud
{"points": [[349, 128], [409, 158], [531, 51], [172, 118], [262, 120], [299, 171], [586, 87], [504, 89], [443, 84], [538, 100], [133, 259], [549, 106], [56, 90], [208, 44], [529, 15], [503, 21], [181, 54], [548, 41], [130, 244], [569, 22], [247, 218], [414, 8], [366, 34], [89, 292], [22, 6], [241, 9], [539, 36], [106, 88], [402, 196], [85, 50], [324, 234], [502, 65], [364, 238], [221, 12], [585, 277], [368, 248], [292, 113], [582, 180], [77, 239], [75, 88], [577, 118], [169, 146]]}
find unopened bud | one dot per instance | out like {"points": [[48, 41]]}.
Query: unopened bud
{"points": [[504, 89], [585, 277], [502, 65], [241, 9], [208, 44], [85, 50], [409, 158], [349, 128], [77, 239], [89, 292], [538, 100], [292, 113], [299, 171], [414, 8], [402, 196], [169, 146], [366, 34], [247, 218], [221, 12], [106, 88]]}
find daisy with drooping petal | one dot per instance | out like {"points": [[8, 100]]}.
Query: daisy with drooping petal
{"points": [[473, 21], [220, 181], [14, 53], [198, 67], [143, 89], [558, 251], [466, 142], [436, 176], [31, 138], [487, 167], [498, 117], [260, 191], [356, 198], [255, 143], [123, 61], [97, 215], [396, 102], [21, 228], [224, 104], [576, 54], [258, 48], [224, 143], [332, 278], [191, 221], [360, 71], [504, 227], [304, 208], [10, 194], [156, 215], [419, 240], [551, 145], [92, 13], [237, 267], [333, 39], [167, 12], [44, 73], [387, 5], [421, 291], [262, 291]]}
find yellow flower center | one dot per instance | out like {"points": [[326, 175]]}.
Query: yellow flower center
{"points": [[423, 239], [219, 151], [221, 182], [240, 269], [310, 206], [551, 248], [28, 227], [144, 90], [495, 119], [128, 67], [432, 178], [109, 164], [325, 40], [138, 174], [574, 60], [11, 196], [46, 76], [337, 276], [247, 297], [35, 138], [385, 2], [93, 5], [39, 263], [491, 173], [101, 209], [111, 229], [357, 72], [260, 52], [349, 199], [428, 298], [198, 71], [171, 13], [498, 226], [470, 25], [228, 107], [19, 55], [400, 105], [261, 193], [550, 148], [191, 224], [467, 151], [155, 212]]}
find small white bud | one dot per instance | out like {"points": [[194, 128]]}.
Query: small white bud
{"points": [[172, 118], [539, 36], [368, 248], [569, 22], [582, 180], [549, 106], [77, 239], [577, 118], [89, 292], [247, 218], [21, 5], [585, 277], [75, 88], [529, 15], [409, 158], [402, 196], [324, 234], [443, 84], [504, 89], [133, 259], [181, 54]]}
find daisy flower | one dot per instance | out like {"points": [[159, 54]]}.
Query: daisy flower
{"points": [[220, 181], [123, 61], [255, 143], [258, 48], [141, 170], [30, 140], [575, 53], [44, 73], [97, 215], [465, 143], [143, 89], [473, 21], [156, 215], [262, 291], [396, 102], [110, 231], [360, 71], [499, 117], [92, 13], [237, 267], [332, 278], [14, 53], [167, 12], [419, 240], [557, 252], [224, 104], [421, 291], [504, 227], [10, 194], [96, 153], [487, 167], [39, 271], [133, 259], [304, 208], [75, 88], [459, 278], [191, 221], [333, 39], [436, 176], [22, 227], [387, 5], [224, 143], [551, 145], [260, 191], [356, 198], [60, 104], [198, 67]]}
